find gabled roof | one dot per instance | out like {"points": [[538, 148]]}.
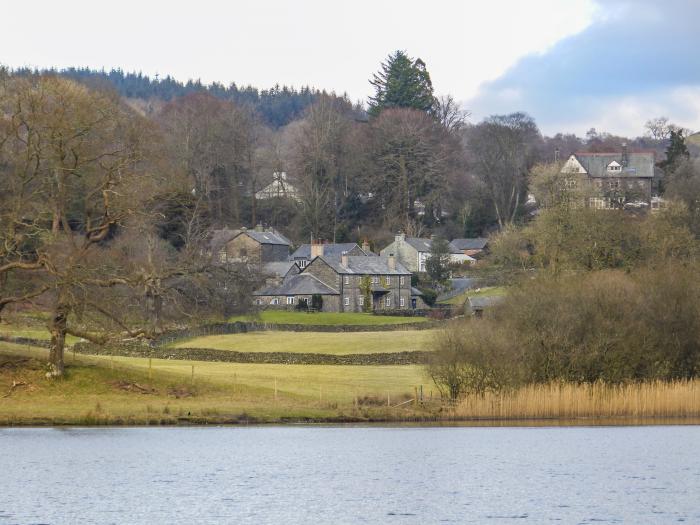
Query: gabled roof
{"points": [[278, 268], [220, 237], [331, 250], [477, 243], [415, 291], [270, 237], [424, 245], [300, 284], [639, 163], [362, 265]]}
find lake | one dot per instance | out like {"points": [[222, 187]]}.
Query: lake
{"points": [[356, 474]]}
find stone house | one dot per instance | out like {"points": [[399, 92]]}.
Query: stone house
{"points": [[306, 252], [476, 247], [413, 252], [346, 284], [255, 247], [612, 180]]}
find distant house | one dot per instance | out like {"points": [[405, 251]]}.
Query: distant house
{"points": [[413, 252], [612, 179], [306, 252], [476, 247], [280, 187], [255, 247], [345, 284]]}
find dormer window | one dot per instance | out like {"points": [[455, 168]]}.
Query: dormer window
{"points": [[614, 167]]}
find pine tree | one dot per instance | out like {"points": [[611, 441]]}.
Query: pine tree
{"points": [[676, 151], [402, 82], [438, 264]]}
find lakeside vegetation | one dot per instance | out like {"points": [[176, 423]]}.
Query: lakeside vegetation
{"points": [[337, 343]]}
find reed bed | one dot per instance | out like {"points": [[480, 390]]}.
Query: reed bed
{"points": [[569, 400]]}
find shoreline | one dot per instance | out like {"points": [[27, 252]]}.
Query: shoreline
{"points": [[350, 421]]}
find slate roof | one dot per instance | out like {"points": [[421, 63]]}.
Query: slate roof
{"points": [[278, 268], [479, 303], [362, 265], [300, 284], [423, 245], [640, 164], [331, 250], [267, 237], [477, 243], [415, 291]]}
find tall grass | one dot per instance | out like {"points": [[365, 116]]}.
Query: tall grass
{"points": [[569, 400]]}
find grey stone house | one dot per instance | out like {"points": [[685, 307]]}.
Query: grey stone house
{"points": [[255, 247], [306, 252], [413, 252], [612, 179], [346, 284]]}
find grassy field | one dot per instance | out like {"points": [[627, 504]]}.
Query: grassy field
{"points": [[100, 390], [32, 332], [337, 343], [489, 291], [326, 318]]}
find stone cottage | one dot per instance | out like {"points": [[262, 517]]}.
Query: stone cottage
{"points": [[345, 284], [413, 252], [255, 247], [306, 252]]}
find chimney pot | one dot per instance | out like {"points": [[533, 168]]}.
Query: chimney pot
{"points": [[316, 250], [401, 236], [391, 261], [365, 246], [344, 259]]}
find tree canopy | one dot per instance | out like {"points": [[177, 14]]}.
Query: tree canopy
{"points": [[402, 82]]}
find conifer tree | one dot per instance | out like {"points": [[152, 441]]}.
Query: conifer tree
{"points": [[676, 151], [402, 82]]}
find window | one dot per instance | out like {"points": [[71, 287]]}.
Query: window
{"points": [[375, 279], [243, 252], [275, 300], [402, 302], [387, 302], [302, 263], [346, 301], [362, 300], [401, 280], [388, 280], [290, 299], [346, 279]]}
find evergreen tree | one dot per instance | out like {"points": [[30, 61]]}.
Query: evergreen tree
{"points": [[402, 82], [438, 264], [676, 151]]}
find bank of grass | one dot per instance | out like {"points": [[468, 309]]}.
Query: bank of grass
{"points": [[655, 399], [30, 332], [336, 343], [326, 318], [489, 291], [104, 390]]}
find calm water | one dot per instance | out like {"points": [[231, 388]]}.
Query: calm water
{"points": [[350, 475]]}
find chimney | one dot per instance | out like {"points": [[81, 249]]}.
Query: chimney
{"points": [[365, 246], [316, 250], [259, 227], [344, 259], [400, 237], [625, 155], [391, 261]]}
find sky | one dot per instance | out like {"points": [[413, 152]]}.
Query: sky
{"points": [[571, 64]]}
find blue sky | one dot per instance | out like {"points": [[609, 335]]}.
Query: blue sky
{"points": [[571, 64], [635, 60]]}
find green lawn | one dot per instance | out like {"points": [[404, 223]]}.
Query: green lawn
{"points": [[338, 343], [326, 318], [90, 392], [31, 332]]}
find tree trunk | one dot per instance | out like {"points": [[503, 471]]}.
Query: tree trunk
{"points": [[58, 340]]}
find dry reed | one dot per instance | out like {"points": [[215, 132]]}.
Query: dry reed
{"points": [[568, 400]]}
